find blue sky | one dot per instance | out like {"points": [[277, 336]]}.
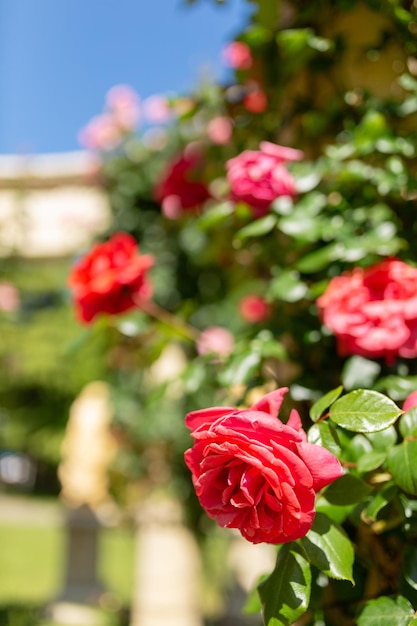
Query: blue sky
{"points": [[58, 58]]}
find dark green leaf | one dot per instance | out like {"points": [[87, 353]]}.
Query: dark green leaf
{"points": [[364, 411], [380, 500], [401, 462], [347, 490], [285, 594], [329, 549], [387, 612], [410, 565], [321, 405]]}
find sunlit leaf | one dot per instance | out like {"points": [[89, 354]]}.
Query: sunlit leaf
{"points": [[318, 408], [364, 411], [387, 612]]}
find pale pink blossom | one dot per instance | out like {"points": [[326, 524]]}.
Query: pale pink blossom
{"points": [[215, 340], [124, 105], [101, 133], [237, 55], [156, 109], [219, 130]]}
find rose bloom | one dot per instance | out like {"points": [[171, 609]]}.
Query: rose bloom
{"points": [[256, 101], [110, 278], [373, 311], [9, 297], [215, 340], [254, 473], [237, 55], [179, 191], [258, 177], [254, 308], [157, 109]]}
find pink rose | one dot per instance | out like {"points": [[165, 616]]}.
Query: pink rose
{"points": [[237, 55], [254, 473], [157, 110], [258, 177], [110, 278], [410, 402], [254, 308], [373, 311], [9, 297], [215, 340], [179, 191]]}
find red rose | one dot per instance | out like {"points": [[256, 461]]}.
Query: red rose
{"points": [[410, 402], [254, 308], [179, 189], [258, 177], [110, 277], [373, 311], [252, 472]]}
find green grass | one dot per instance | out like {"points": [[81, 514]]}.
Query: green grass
{"points": [[32, 563]]}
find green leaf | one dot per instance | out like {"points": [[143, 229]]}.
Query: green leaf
{"points": [[347, 490], [285, 594], [387, 612], [397, 387], [321, 405], [240, 369], [371, 461], [359, 372], [383, 439], [408, 423], [319, 259], [257, 228], [323, 434], [329, 549], [401, 463], [287, 286], [364, 411], [216, 215]]}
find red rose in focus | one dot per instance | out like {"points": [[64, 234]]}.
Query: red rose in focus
{"points": [[373, 311], [179, 189], [258, 177], [254, 308], [110, 277], [254, 473]]}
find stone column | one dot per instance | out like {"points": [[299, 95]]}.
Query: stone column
{"points": [[167, 576]]}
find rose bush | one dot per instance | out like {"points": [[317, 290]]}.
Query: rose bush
{"points": [[110, 278], [258, 177], [256, 474], [373, 311]]}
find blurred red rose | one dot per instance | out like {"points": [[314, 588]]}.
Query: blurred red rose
{"points": [[179, 189], [256, 101], [254, 473], [373, 311], [254, 308], [110, 277], [258, 177]]}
